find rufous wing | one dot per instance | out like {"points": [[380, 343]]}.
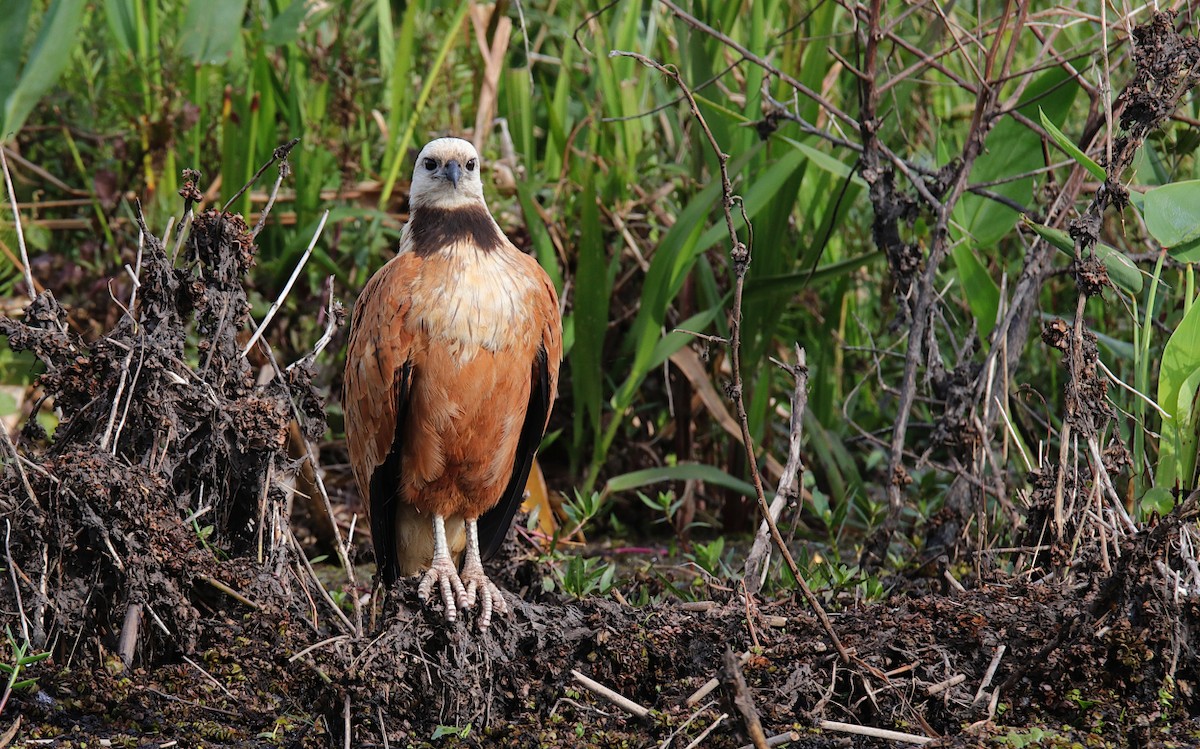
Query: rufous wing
{"points": [[375, 399]]}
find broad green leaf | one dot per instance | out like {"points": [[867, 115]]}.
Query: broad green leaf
{"points": [[983, 295], [285, 27], [49, 56], [1178, 376], [764, 187], [12, 35], [827, 163], [1011, 149], [1158, 499], [1072, 150], [214, 30], [680, 472], [1173, 217], [1120, 269]]}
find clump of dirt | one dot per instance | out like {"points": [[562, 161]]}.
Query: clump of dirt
{"points": [[150, 435]]}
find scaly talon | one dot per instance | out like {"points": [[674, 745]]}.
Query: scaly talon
{"points": [[477, 583], [442, 573]]}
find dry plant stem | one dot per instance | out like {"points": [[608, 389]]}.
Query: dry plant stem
{"points": [[788, 491], [12, 201], [17, 464], [318, 646], [989, 674], [285, 169], [343, 554], [382, 726], [981, 124], [778, 739], [12, 570], [279, 154], [942, 686], [129, 634], [743, 700], [876, 733], [740, 254], [708, 686], [666, 743], [699, 25], [331, 324], [212, 679], [341, 615], [287, 287], [704, 734], [218, 585], [615, 698]]}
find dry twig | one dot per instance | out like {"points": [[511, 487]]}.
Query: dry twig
{"points": [[742, 699], [615, 698]]}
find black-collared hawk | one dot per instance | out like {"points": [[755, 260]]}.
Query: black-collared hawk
{"points": [[450, 377]]}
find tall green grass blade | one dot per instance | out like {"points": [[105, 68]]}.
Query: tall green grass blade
{"points": [[400, 90], [122, 22], [453, 34], [12, 37], [20, 92], [681, 472], [591, 319], [1072, 150], [1178, 382], [386, 36]]}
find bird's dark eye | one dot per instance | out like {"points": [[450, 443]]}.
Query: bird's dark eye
{"points": [[471, 164], [430, 164]]}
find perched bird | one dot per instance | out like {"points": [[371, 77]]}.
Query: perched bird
{"points": [[451, 373]]}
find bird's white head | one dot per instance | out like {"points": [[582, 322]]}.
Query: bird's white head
{"points": [[447, 175]]}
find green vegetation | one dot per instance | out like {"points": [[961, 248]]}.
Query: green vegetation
{"points": [[20, 656], [601, 171]]}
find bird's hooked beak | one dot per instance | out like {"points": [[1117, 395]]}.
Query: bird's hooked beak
{"points": [[452, 171]]}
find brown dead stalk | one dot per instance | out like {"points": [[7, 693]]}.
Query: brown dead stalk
{"points": [[740, 255]]}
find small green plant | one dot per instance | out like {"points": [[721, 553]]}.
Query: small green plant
{"points": [[21, 658], [585, 576], [461, 732], [1034, 737], [664, 504], [581, 509], [1077, 697], [710, 557], [1166, 694]]}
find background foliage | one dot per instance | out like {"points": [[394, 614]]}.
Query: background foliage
{"points": [[598, 169]]}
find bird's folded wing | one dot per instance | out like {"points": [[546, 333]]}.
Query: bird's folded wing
{"points": [[543, 385], [375, 397]]}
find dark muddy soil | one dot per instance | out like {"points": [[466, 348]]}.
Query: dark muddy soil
{"points": [[1074, 672]]}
